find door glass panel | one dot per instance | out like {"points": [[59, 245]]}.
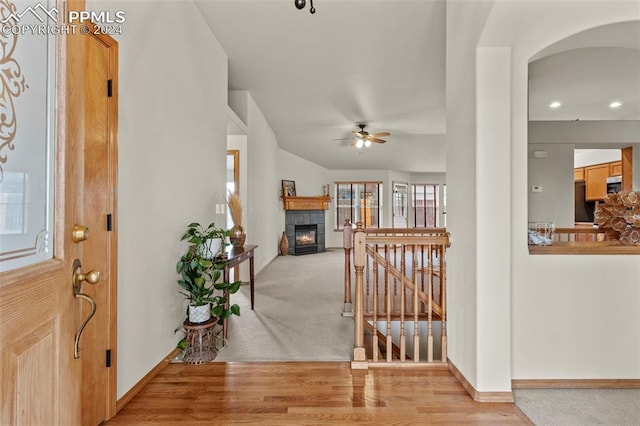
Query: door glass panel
{"points": [[27, 122], [400, 212]]}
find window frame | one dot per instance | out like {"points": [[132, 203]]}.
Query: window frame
{"points": [[339, 219], [434, 208]]}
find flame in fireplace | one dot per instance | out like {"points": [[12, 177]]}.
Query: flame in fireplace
{"points": [[306, 239]]}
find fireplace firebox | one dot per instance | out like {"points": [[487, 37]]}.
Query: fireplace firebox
{"points": [[306, 239], [298, 219]]}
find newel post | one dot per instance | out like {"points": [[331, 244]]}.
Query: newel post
{"points": [[347, 243], [359, 260]]}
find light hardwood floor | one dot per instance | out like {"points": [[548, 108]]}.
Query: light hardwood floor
{"points": [[308, 393]]}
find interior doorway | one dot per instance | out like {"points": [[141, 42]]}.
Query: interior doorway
{"points": [[400, 205], [237, 177]]}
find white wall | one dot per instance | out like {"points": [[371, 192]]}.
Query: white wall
{"points": [[258, 178], [591, 157], [263, 225], [238, 102], [573, 316], [309, 177], [171, 167], [554, 174], [465, 20], [492, 219], [620, 133]]}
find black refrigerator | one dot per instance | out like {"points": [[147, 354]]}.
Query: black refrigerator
{"points": [[583, 209]]}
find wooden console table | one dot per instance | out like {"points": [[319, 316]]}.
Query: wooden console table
{"points": [[235, 256]]}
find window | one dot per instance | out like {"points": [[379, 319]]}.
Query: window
{"points": [[358, 202], [425, 200]]}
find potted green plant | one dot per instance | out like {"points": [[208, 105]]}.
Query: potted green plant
{"points": [[210, 240], [200, 280]]}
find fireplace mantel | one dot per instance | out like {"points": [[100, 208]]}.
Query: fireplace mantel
{"points": [[306, 203]]}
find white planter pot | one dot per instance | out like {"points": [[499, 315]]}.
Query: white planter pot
{"points": [[198, 314], [211, 247]]}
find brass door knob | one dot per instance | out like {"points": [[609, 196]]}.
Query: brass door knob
{"points": [[92, 277]]}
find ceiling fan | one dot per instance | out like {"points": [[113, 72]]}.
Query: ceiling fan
{"points": [[363, 138]]}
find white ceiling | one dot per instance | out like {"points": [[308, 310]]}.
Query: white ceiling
{"points": [[586, 72], [379, 62]]}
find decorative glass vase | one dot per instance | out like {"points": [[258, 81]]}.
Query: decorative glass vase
{"points": [[237, 236]]}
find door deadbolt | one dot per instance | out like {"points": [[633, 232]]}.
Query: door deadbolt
{"points": [[79, 233]]}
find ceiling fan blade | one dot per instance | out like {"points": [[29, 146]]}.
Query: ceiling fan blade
{"points": [[376, 140], [381, 134], [358, 134], [342, 139]]}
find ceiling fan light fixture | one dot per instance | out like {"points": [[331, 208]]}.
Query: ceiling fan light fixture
{"points": [[367, 143], [359, 143]]}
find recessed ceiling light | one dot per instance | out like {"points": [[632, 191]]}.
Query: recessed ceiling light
{"points": [[614, 105], [555, 104]]}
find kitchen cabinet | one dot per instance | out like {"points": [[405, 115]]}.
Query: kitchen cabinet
{"points": [[615, 168], [595, 178], [578, 174], [596, 181]]}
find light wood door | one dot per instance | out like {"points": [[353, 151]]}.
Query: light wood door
{"points": [[44, 379], [40, 315], [627, 169], [98, 345]]}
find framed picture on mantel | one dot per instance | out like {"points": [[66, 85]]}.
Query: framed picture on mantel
{"points": [[288, 188]]}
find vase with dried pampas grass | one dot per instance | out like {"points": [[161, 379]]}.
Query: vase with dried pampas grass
{"points": [[619, 216], [238, 235]]}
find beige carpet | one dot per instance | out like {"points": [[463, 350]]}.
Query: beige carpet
{"points": [[297, 316], [580, 407]]}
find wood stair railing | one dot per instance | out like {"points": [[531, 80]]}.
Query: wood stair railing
{"points": [[579, 234], [399, 295]]}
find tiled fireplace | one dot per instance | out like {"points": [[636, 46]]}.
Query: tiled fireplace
{"points": [[305, 231]]}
